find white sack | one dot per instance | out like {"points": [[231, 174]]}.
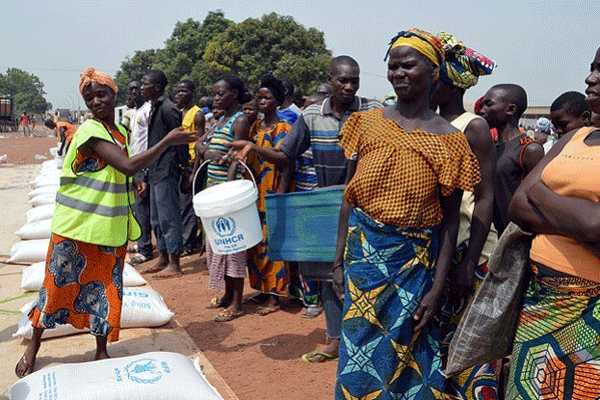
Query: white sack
{"points": [[25, 328], [60, 162], [43, 190], [50, 164], [131, 277], [43, 199], [142, 307], [41, 212], [46, 179], [148, 376], [35, 230], [29, 251], [47, 173], [33, 276]]}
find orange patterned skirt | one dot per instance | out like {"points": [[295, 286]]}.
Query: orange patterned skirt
{"points": [[83, 286]]}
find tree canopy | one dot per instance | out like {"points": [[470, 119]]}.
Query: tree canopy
{"points": [[203, 51], [26, 89]]}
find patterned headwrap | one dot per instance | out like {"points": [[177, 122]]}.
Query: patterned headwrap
{"points": [[91, 75], [424, 42], [463, 66]]}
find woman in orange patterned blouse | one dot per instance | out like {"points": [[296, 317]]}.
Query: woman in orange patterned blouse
{"points": [[398, 225]]}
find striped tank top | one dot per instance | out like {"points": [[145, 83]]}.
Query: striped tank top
{"points": [[217, 173]]}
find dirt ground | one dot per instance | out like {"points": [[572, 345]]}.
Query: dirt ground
{"points": [[259, 357], [22, 150]]}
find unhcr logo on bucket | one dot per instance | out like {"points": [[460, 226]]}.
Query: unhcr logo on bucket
{"points": [[224, 226]]}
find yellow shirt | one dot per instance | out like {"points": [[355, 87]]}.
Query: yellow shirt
{"points": [[189, 125]]}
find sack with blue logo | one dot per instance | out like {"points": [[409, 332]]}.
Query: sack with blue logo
{"points": [[149, 376]]}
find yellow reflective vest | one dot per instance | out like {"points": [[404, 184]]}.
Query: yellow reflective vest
{"points": [[96, 206]]}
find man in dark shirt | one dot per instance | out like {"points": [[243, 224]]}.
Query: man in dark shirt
{"points": [[164, 176]]}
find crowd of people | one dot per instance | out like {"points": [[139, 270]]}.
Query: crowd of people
{"points": [[429, 190]]}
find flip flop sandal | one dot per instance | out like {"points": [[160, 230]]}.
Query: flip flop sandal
{"points": [[138, 258], [327, 357], [312, 312], [226, 316], [215, 302]]}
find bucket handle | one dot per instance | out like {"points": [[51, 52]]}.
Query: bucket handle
{"points": [[211, 159]]}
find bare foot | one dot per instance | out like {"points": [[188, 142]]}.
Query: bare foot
{"points": [[26, 364], [170, 272], [159, 266], [101, 355], [270, 306], [259, 298]]}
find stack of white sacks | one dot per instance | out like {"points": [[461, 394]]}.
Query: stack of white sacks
{"points": [[142, 306]]}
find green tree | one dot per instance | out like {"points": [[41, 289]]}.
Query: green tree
{"points": [[182, 56], [203, 51], [27, 91], [275, 44], [134, 68]]}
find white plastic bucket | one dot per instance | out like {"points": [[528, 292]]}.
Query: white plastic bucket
{"points": [[229, 215]]}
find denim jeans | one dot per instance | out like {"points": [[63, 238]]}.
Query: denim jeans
{"points": [[188, 218], [332, 306], [166, 217], [142, 214]]}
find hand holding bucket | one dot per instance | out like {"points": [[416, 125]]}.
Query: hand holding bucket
{"points": [[229, 214]]}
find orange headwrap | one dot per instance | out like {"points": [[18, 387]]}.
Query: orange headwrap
{"points": [[91, 75]]}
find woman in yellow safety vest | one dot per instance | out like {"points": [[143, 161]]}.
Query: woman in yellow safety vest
{"points": [[83, 284]]}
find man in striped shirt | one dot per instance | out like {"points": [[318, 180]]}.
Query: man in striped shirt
{"points": [[318, 127], [320, 124]]}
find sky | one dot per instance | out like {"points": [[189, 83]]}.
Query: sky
{"points": [[544, 46]]}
